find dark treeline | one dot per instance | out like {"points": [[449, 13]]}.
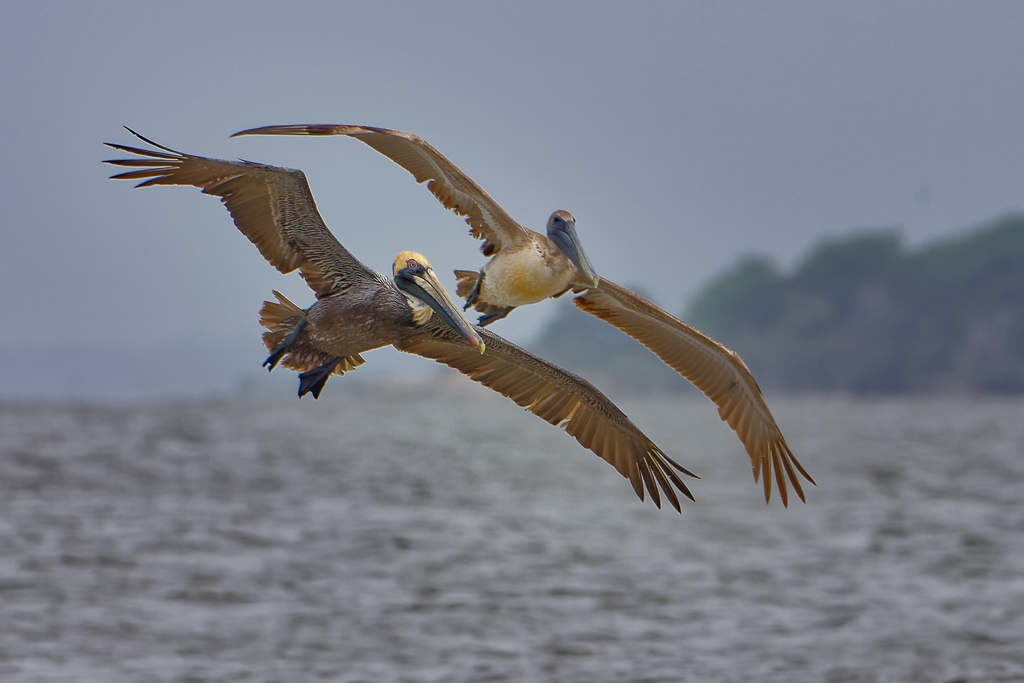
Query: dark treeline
{"points": [[862, 314]]}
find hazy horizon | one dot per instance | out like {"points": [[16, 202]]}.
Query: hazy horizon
{"points": [[681, 136], [227, 369]]}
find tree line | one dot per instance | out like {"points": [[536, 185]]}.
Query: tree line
{"points": [[859, 314]]}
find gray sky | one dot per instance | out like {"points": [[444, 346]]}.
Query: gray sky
{"points": [[680, 135]]}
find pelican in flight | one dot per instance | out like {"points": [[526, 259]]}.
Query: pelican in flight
{"points": [[358, 310], [527, 267]]}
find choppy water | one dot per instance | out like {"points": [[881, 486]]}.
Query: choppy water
{"points": [[467, 541]]}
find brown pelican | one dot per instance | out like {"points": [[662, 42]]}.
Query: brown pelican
{"points": [[357, 310], [527, 267]]}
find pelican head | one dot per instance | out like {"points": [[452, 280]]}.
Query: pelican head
{"points": [[416, 279], [562, 231]]}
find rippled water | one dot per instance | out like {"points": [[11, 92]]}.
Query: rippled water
{"points": [[405, 538]]}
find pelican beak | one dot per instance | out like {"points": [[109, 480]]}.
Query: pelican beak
{"points": [[563, 234], [424, 286]]}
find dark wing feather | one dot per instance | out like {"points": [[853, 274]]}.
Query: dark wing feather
{"points": [[271, 206], [564, 400], [453, 188], [714, 369]]}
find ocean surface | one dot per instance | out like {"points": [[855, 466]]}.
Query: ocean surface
{"points": [[398, 535]]}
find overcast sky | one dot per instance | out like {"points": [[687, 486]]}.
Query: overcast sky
{"points": [[681, 136]]}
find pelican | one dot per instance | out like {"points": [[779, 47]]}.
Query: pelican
{"points": [[527, 267], [357, 310]]}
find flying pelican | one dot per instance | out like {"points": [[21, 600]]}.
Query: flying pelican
{"points": [[527, 267], [357, 310]]}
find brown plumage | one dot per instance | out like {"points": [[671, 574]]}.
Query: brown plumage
{"points": [[358, 310], [527, 267]]}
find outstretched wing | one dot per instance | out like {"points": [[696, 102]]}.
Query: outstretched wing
{"points": [[271, 206], [714, 369], [564, 400], [453, 188]]}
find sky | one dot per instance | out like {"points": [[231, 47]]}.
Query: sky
{"points": [[683, 136]]}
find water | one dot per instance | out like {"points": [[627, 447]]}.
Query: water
{"points": [[397, 537]]}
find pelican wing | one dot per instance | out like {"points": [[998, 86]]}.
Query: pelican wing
{"points": [[271, 206], [714, 369], [564, 400], [453, 188]]}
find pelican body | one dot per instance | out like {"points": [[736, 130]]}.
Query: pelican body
{"points": [[329, 336], [536, 268], [357, 310], [526, 267]]}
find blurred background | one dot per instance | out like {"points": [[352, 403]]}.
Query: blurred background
{"points": [[799, 179], [832, 189]]}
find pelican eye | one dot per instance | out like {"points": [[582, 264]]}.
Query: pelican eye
{"points": [[413, 264]]}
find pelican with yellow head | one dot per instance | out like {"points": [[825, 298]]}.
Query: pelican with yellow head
{"points": [[374, 311]]}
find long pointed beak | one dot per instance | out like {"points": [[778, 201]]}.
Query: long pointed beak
{"points": [[426, 287], [569, 242]]}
